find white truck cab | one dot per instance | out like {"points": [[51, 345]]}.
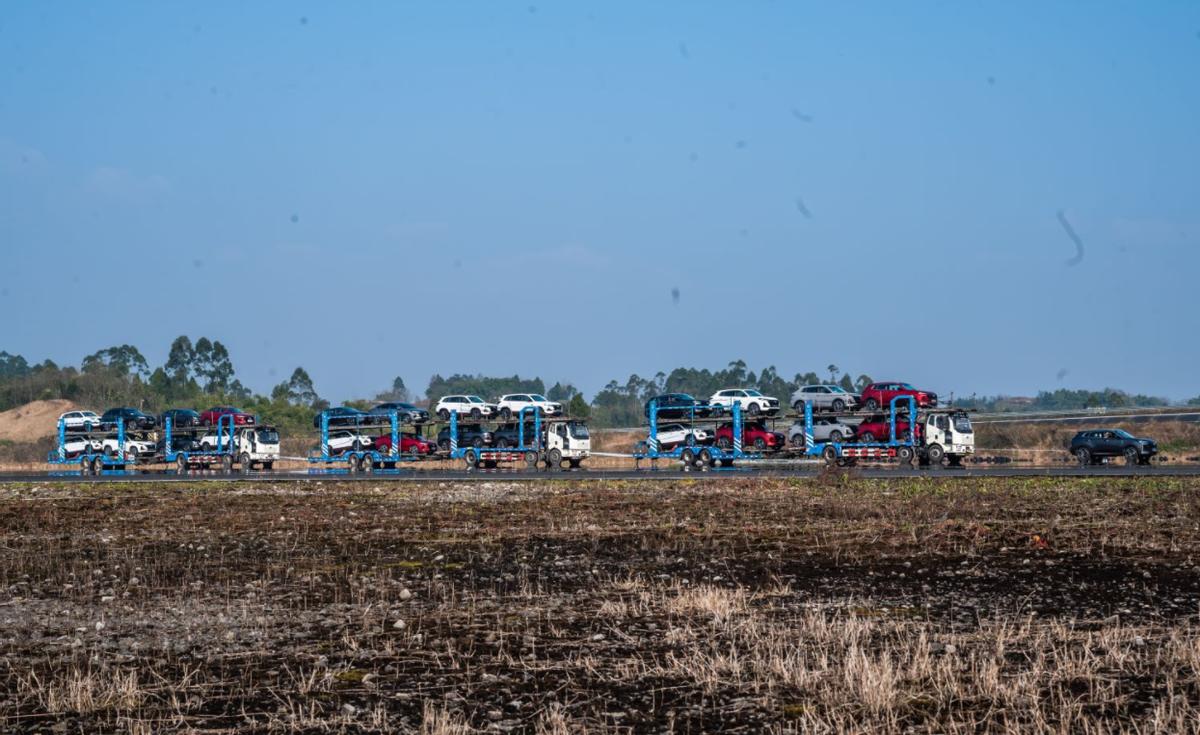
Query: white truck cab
{"points": [[946, 435], [567, 440]]}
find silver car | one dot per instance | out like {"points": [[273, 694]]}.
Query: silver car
{"points": [[826, 398], [824, 430]]}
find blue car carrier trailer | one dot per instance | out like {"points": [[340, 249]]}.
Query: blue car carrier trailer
{"points": [[362, 457], [695, 455], [234, 444], [92, 457]]}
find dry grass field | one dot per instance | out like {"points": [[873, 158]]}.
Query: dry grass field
{"points": [[828, 605]]}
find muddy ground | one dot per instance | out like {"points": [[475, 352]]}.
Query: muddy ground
{"points": [[835, 604]]}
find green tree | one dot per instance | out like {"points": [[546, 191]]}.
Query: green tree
{"points": [[578, 407], [297, 390], [846, 382], [122, 360], [12, 366], [398, 392], [562, 392]]}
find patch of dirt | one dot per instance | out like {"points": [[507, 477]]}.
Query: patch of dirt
{"points": [[585, 606], [33, 421]]}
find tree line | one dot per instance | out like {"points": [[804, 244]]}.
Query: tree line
{"points": [[201, 373]]}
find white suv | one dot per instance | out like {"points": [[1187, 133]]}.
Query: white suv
{"points": [[751, 401], [134, 448], [80, 420], [345, 441], [673, 435], [473, 406], [511, 404]]}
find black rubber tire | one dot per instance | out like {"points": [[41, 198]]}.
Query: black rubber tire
{"points": [[1083, 456], [754, 409], [554, 459], [574, 463], [85, 465], [444, 445], [531, 459], [476, 414], [836, 437], [759, 443], [97, 465], [1131, 456], [798, 406], [905, 455], [244, 463], [502, 443], [872, 404], [830, 455], [477, 442], [936, 454], [839, 405], [471, 457], [226, 464], [443, 414], [868, 437], [705, 458], [181, 465], [352, 463], [506, 413], [367, 464], [690, 440], [798, 440], [725, 443], [688, 457]]}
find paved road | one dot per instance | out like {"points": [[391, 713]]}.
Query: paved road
{"points": [[664, 473]]}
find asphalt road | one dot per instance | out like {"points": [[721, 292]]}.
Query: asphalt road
{"points": [[666, 472]]}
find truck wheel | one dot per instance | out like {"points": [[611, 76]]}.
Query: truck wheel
{"points": [[554, 459], [872, 404], [830, 455], [181, 465], [97, 465], [688, 457], [471, 457], [367, 463], [1131, 456], [755, 409], [936, 454], [905, 455], [1084, 456], [574, 463], [85, 465], [531, 459], [227, 464], [839, 405], [706, 458], [352, 462], [131, 454], [244, 463]]}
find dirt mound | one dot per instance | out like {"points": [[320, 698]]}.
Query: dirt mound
{"points": [[33, 421]]}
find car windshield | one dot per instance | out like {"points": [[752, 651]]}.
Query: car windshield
{"points": [[962, 424], [268, 436], [538, 397], [579, 431], [751, 392]]}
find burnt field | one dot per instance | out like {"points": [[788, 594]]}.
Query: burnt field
{"points": [[837, 604]]}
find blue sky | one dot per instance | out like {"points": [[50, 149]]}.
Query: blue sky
{"points": [[373, 190]]}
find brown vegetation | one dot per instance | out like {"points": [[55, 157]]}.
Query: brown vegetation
{"points": [[702, 605]]}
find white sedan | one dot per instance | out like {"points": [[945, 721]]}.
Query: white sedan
{"points": [[472, 406], [510, 405], [673, 435], [80, 420]]}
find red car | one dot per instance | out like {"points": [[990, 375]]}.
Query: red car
{"points": [[214, 414], [754, 434], [879, 395], [409, 444], [879, 429]]}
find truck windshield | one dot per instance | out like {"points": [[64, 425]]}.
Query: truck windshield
{"points": [[579, 431], [962, 424], [268, 436]]}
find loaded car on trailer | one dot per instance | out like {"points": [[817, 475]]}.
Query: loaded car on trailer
{"points": [[465, 406], [878, 395], [134, 419], [827, 397], [753, 402], [80, 420], [511, 405]]}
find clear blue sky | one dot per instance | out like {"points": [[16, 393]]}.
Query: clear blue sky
{"points": [[369, 190]]}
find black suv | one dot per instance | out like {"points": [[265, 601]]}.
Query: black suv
{"points": [[468, 435], [1095, 444], [342, 416], [180, 417], [134, 419], [509, 435], [678, 406]]}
